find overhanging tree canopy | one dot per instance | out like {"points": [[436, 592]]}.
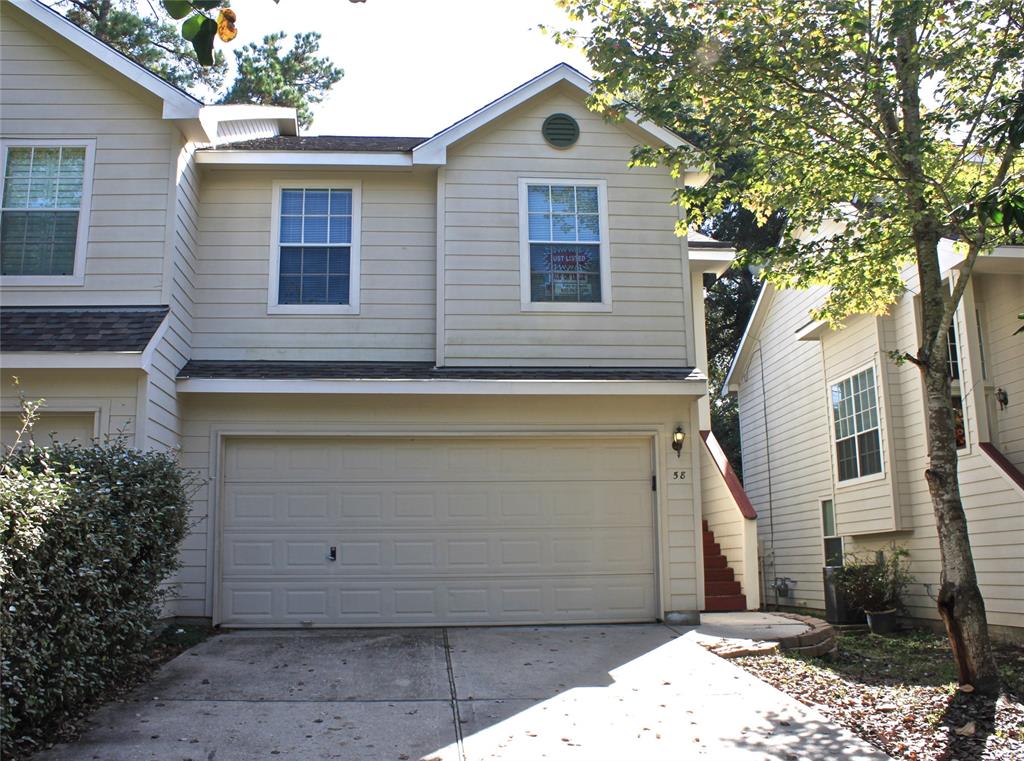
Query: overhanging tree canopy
{"points": [[900, 120]]}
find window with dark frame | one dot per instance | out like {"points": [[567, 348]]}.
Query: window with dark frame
{"points": [[857, 435], [315, 241]]}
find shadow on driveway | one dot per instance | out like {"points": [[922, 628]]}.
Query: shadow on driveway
{"points": [[559, 692]]}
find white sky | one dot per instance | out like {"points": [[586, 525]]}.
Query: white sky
{"points": [[412, 67]]}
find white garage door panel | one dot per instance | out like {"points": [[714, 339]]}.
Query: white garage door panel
{"points": [[436, 531], [410, 602]]}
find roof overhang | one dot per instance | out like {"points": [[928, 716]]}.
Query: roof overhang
{"points": [[227, 157], [70, 360], [212, 116], [177, 104], [713, 261], [443, 387], [1005, 260], [746, 348]]}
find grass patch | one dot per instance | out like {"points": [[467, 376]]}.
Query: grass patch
{"points": [[913, 657], [174, 639]]}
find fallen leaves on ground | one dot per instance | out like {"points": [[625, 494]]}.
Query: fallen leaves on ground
{"points": [[895, 708]]}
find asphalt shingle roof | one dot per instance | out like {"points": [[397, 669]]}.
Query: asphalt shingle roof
{"points": [[281, 370], [101, 328], [353, 143]]}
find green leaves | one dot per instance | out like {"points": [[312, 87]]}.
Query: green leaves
{"points": [[90, 534], [177, 9], [200, 31]]}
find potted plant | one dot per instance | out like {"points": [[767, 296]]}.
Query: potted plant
{"points": [[876, 585]]}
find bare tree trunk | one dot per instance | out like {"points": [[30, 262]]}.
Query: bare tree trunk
{"points": [[960, 602]]}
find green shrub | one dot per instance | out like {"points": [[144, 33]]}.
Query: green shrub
{"points": [[87, 535], [875, 584]]}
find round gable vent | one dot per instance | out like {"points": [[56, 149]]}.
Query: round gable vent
{"points": [[560, 130]]}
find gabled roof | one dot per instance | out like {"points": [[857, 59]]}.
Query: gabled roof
{"points": [[434, 150], [178, 104]]}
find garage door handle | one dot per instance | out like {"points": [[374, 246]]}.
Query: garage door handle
{"points": [[333, 555]]}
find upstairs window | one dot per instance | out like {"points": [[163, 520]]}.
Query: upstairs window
{"points": [[44, 213], [315, 251], [857, 434], [564, 245]]}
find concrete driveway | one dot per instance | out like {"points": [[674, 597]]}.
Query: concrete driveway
{"points": [[566, 692]]}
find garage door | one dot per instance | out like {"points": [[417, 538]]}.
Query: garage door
{"points": [[67, 427], [349, 532]]}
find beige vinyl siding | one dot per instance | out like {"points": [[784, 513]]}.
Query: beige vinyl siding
{"points": [[1002, 299], [995, 509], [206, 416], [787, 499], [396, 316], [49, 92], [483, 320], [172, 346], [108, 395], [866, 504]]}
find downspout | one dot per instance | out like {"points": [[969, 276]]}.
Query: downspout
{"points": [[768, 464]]}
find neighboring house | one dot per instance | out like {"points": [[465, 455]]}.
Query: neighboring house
{"points": [[426, 380], [834, 440]]}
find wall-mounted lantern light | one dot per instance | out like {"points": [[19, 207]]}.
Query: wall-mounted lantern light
{"points": [[1003, 398], [677, 441]]}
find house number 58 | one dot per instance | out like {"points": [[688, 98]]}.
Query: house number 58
{"points": [[678, 475]]}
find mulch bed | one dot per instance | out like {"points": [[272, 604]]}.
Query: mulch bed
{"points": [[900, 694]]}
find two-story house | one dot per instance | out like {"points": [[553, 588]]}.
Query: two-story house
{"points": [[455, 379], [835, 447]]}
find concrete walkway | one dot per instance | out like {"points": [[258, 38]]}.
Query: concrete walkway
{"points": [[568, 692]]}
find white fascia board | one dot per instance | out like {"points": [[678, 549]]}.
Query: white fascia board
{"points": [[812, 331], [715, 261], [84, 360], [177, 104], [302, 158], [444, 387], [435, 150], [742, 356]]}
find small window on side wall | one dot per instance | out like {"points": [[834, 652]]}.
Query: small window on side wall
{"points": [[46, 188], [315, 250], [564, 254], [833, 543]]}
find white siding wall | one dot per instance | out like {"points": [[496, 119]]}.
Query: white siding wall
{"points": [[396, 320], [206, 415], [1002, 299], [787, 498], [484, 324], [49, 92]]}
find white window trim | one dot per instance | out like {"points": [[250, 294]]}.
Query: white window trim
{"points": [[77, 278], [835, 519], [880, 475], [352, 308], [526, 305]]}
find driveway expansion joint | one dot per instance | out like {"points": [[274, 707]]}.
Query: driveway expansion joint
{"points": [[454, 693]]}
